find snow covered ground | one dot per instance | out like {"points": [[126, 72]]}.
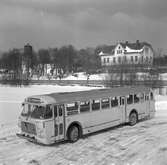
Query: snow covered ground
{"points": [[144, 143]]}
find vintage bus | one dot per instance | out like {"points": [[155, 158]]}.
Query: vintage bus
{"points": [[56, 117]]}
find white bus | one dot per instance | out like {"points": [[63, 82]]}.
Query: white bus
{"points": [[56, 117]]}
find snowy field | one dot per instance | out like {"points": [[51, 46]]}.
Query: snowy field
{"points": [[142, 144]]}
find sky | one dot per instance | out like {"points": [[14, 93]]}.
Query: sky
{"points": [[82, 23]]}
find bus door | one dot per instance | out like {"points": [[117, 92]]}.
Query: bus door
{"points": [[123, 108], [147, 101], [59, 121]]}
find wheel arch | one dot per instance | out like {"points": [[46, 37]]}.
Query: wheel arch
{"points": [[134, 111], [75, 123]]}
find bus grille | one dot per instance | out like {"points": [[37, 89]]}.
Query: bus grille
{"points": [[28, 128]]}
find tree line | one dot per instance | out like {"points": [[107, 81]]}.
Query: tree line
{"points": [[67, 59]]}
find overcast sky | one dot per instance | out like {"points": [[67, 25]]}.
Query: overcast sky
{"points": [[82, 23]]}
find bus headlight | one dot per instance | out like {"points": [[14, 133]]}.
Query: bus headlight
{"points": [[19, 122], [40, 130]]}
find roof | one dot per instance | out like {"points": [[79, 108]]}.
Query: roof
{"points": [[68, 97], [135, 46], [108, 49]]}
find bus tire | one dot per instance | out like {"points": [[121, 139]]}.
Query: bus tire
{"points": [[73, 133], [133, 118]]}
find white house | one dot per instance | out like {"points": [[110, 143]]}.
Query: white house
{"points": [[127, 53]]}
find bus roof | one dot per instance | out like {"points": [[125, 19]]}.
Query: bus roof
{"points": [[68, 97]]}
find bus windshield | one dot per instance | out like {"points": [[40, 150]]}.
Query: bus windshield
{"points": [[36, 111]]}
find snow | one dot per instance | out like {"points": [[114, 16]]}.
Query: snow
{"points": [[76, 76], [84, 76], [163, 76], [133, 50], [144, 143]]}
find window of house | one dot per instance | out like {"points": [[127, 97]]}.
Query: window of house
{"points": [[72, 108], [107, 60], [131, 58], [95, 105], [125, 59], [136, 58], [146, 50], [146, 59], [84, 106], [119, 59], [113, 59], [119, 51], [130, 99], [105, 103], [104, 60], [150, 59], [142, 59], [114, 102]]}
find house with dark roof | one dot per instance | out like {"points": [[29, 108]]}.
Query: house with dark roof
{"points": [[127, 53]]}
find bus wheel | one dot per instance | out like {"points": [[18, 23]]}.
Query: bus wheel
{"points": [[73, 134], [133, 118]]}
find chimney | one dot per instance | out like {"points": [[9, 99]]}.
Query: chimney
{"points": [[137, 44]]}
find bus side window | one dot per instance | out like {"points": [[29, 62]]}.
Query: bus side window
{"points": [[55, 110], [136, 98], [151, 96], [105, 103], [95, 105], [114, 102], [84, 106], [130, 99], [72, 108]]}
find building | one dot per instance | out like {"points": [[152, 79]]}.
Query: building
{"points": [[127, 53]]}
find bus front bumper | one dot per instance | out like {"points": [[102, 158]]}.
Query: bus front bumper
{"points": [[35, 139], [32, 139]]}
